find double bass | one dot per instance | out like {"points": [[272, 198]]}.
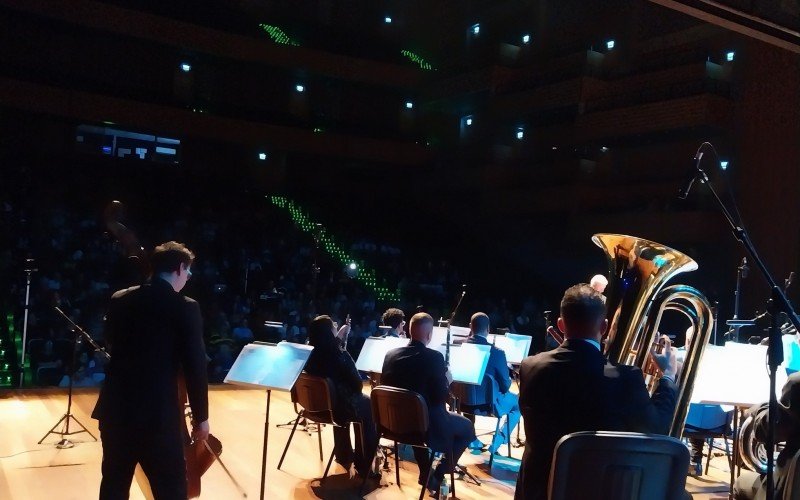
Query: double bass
{"points": [[135, 269]]}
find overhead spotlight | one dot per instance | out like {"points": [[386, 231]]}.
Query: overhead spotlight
{"points": [[409, 105], [610, 44], [351, 270], [526, 39], [262, 156], [186, 67], [476, 29], [520, 133], [387, 20], [300, 88], [604, 149], [729, 56], [353, 266], [468, 121], [723, 165], [555, 147]]}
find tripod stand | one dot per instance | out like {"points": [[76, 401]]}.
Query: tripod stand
{"points": [[64, 442]]}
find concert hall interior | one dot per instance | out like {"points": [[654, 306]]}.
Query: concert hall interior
{"points": [[383, 208]]}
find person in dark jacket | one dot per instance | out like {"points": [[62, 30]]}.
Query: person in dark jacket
{"points": [[351, 405], [572, 388], [505, 402], [423, 371], [153, 335]]}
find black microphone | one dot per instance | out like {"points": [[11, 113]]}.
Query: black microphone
{"points": [[692, 176], [744, 268]]}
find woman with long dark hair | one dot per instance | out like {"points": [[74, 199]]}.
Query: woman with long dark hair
{"points": [[329, 360]]}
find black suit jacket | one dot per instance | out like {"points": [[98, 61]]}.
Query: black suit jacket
{"points": [[153, 334], [422, 370], [571, 389]]}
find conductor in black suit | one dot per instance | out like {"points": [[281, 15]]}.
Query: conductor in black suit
{"points": [[572, 388], [423, 371], [153, 334]]}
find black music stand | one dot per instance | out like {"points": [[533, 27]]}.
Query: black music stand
{"points": [[271, 367], [64, 442]]}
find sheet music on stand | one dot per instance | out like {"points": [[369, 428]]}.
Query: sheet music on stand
{"points": [[468, 363], [734, 374], [271, 367], [514, 345], [372, 354], [458, 334]]}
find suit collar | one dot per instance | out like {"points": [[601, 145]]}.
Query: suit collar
{"points": [[478, 339], [580, 346]]}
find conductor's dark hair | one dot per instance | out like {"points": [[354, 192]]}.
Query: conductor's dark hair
{"points": [[168, 257]]}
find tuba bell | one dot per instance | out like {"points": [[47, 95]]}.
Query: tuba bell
{"points": [[636, 299]]}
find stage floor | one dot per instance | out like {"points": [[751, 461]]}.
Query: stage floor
{"points": [[29, 471]]}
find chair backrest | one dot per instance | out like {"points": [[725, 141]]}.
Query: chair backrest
{"points": [[314, 394], [792, 485], [399, 414], [618, 466], [476, 395], [703, 417]]}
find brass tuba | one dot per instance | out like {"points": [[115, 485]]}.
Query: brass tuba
{"points": [[636, 298]]}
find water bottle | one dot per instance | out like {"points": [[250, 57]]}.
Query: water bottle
{"points": [[444, 490]]}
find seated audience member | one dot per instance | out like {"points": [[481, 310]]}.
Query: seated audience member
{"points": [[572, 388], [422, 370], [396, 320], [506, 403], [750, 485], [330, 361], [242, 333]]}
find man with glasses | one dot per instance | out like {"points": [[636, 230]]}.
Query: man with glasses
{"points": [[154, 334]]}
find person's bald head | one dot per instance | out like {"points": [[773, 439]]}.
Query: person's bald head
{"points": [[479, 324], [420, 328]]}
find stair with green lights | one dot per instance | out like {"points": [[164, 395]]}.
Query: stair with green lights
{"points": [[7, 343], [364, 275]]}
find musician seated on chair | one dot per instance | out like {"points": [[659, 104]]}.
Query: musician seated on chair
{"points": [[504, 403], [751, 485], [572, 388], [395, 319], [423, 371], [330, 361]]}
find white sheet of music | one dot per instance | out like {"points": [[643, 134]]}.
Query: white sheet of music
{"points": [[370, 359], [439, 337], [735, 374], [269, 366], [468, 363], [515, 346]]}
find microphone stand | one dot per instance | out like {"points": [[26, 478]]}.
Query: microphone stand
{"points": [[741, 273], [29, 270], [776, 304], [450, 322], [456, 467], [64, 442]]}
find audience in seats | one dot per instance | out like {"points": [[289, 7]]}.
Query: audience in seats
{"points": [[423, 370], [506, 403], [572, 388], [328, 360]]}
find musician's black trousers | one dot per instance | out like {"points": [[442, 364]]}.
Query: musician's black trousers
{"points": [[160, 454], [448, 431]]}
